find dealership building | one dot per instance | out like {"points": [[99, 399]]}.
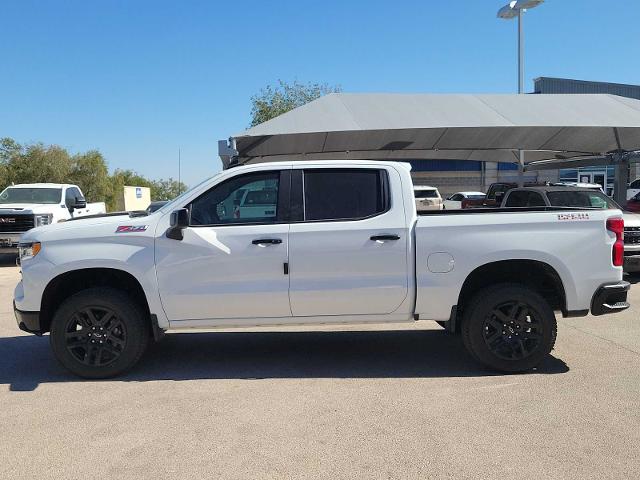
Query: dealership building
{"points": [[454, 176]]}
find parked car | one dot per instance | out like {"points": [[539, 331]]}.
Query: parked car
{"points": [[496, 192], [633, 205], [427, 198], [558, 196], [156, 205], [555, 196], [25, 206], [462, 200], [104, 287], [633, 189]]}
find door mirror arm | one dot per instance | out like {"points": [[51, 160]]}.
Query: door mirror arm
{"points": [[178, 222]]}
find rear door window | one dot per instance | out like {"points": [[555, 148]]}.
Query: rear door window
{"points": [[344, 194]]}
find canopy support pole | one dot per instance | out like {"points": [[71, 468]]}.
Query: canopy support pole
{"points": [[520, 168], [622, 179]]}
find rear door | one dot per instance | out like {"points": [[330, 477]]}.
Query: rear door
{"points": [[348, 245]]}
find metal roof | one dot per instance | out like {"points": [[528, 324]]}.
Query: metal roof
{"points": [[430, 126], [552, 85]]}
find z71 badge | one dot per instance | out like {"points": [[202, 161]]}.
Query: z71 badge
{"points": [[131, 228]]}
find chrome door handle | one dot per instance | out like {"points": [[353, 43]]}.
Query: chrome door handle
{"points": [[379, 238], [267, 241]]}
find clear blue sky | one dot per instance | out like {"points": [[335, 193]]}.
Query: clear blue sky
{"points": [[138, 79]]}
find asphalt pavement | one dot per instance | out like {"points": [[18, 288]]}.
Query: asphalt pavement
{"points": [[374, 402]]}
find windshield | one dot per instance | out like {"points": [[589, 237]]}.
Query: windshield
{"points": [[476, 197], [581, 198], [426, 193], [173, 204], [31, 195]]}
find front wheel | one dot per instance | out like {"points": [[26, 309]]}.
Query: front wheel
{"points": [[99, 333], [509, 327]]}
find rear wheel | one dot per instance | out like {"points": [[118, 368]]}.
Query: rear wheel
{"points": [[99, 333], [509, 327]]}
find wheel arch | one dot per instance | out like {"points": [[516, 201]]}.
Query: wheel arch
{"points": [[535, 274], [68, 283]]}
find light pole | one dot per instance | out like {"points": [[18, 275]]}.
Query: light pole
{"points": [[514, 9]]}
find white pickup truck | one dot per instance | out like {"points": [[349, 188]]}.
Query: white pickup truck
{"points": [[25, 206], [345, 245]]}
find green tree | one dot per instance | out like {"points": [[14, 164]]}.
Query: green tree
{"points": [[38, 163], [166, 189], [274, 101], [9, 149], [89, 171]]}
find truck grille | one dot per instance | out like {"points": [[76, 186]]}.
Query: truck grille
{"points": [[632, 235], [16, 223]]}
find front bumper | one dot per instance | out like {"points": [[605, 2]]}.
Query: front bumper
{"points": [[28, 321], [610, 298]]}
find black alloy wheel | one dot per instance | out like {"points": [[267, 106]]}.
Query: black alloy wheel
{"points": [[509, 327], [512, 331], [95, 336], [100, 332]]}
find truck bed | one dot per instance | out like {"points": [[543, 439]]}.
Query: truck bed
{"points": [[450, 245]]}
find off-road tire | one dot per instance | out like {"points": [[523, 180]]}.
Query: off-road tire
{"points": [[533, 335], [120, 344]]}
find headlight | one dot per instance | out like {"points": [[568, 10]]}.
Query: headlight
{"points": [[29, 250], [43, 219]]}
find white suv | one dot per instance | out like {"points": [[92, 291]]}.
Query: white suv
{"points": [[427, 198]]}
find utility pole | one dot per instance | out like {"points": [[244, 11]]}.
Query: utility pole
{"points": [[516, 8], [179, 173]]}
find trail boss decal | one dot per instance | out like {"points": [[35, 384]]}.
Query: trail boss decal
{"points": [[573, 216], [131, 228]]}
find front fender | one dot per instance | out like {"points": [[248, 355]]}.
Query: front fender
{"points": [[131, 254]]}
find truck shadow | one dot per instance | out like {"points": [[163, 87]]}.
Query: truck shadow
{"points": [[26, 361]]}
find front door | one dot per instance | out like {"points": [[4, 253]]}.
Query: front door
{"points": [[230, 263], [348, 253]]}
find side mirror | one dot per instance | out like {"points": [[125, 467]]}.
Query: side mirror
{"points": [[179, 220], [499, 197], [80, 203], [76, 202]]}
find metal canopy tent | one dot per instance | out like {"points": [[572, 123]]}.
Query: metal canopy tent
{"points": [[552, 130]]}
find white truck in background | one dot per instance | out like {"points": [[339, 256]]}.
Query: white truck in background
{"points": [[26, 206], [104, 287]]}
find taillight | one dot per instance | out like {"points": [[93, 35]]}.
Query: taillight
{"points": [[616, 225]]}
